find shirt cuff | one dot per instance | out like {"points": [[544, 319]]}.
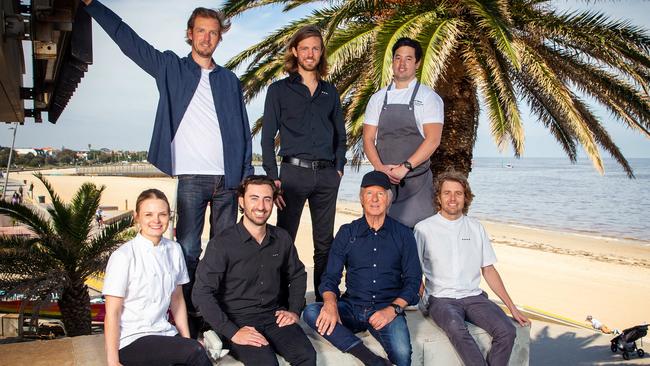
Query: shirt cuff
{"points": [[228, 329], [340, 165]]}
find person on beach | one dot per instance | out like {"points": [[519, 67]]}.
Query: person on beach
{"points": [[306, 111], [454, 251], [240, 280], [598, 325], [99, 217], [401, 130], [142, 282], [382, 278], [201, 107]]}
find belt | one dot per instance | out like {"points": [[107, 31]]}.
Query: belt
{"points": [[309, 164]]}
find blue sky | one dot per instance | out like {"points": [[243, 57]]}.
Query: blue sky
{"points": [[114, 106]]}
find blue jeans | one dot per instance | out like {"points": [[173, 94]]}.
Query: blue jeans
{"points": [[394, 337], [195, 193]]}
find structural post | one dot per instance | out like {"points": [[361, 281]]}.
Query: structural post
{"points": [[11, 152]]}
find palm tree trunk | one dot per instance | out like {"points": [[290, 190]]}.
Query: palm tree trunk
{"points": [[461, 120], [75, 309]]}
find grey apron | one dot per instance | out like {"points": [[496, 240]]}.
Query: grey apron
{"points": [[397, 139]]}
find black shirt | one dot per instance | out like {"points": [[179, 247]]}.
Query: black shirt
{"points": [[238, 276], [311, 127]]}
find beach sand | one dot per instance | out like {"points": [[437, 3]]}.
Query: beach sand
{"points": [[571, 275]]}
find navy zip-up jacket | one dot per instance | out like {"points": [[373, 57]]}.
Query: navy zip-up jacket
{"points": [[177, 79]]}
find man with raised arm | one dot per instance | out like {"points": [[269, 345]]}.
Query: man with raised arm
{"points": [[241, 279], [454, 251], [200, 108]]}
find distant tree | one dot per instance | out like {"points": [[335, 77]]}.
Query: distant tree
{"points": [[66, 156], [63, 252]]}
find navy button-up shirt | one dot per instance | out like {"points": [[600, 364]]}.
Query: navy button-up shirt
{"points": [[380, 265]]}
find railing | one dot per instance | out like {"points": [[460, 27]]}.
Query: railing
{"points": [[126, 170]]}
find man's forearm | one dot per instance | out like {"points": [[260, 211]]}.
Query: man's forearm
{"points": [[495, 283]]}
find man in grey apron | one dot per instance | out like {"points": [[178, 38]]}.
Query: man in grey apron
{"points": [[402, 129]]}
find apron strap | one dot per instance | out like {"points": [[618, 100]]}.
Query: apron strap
{"points": [[415, 91], [386, 95]]}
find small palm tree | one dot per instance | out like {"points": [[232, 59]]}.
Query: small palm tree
{"points": [[498, 54], [60, 255]]}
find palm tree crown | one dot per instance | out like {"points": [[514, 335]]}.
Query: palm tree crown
{"points": [[60, 255], [500, 52]]}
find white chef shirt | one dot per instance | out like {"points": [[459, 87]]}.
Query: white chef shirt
{"points": [[427, 106], [145, 276], [452, 254]]}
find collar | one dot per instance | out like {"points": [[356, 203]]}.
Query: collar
{"points": [[363, 229], [147, 244], [295, 77], [197, 66], [410, 86], [245, 236]]}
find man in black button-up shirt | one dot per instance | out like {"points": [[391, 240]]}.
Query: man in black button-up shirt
{"points": [[239, 284], [383, 277], [306, 111]]}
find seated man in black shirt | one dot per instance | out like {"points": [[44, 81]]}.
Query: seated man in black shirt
{"points": [[238, 284]]}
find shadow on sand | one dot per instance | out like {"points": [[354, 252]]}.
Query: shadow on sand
{"points": [[571, 348]]}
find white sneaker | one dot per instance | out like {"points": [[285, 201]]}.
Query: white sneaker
{"points": [[213, 345]]}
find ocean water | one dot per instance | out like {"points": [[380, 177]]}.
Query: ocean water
{"points": [[553, 193]]}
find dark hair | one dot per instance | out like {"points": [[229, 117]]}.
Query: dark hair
{"points": [[150, 193], [453, 176], [291, 61], [405, 41], [224, 22], [257, 180]]}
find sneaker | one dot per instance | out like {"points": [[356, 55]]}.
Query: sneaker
{"points": [[213, 345]]}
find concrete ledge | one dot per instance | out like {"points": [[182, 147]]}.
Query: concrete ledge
{"points": [[430, 347]]}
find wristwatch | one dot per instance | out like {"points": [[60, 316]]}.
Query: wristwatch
{"points": [[408, 165], [398, 309]]}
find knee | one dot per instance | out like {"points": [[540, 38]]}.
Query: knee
{"points": [[311, 313], [454, 327], [193, 349]]}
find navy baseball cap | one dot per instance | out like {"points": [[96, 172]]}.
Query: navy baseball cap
{"points": [[376, 178]]}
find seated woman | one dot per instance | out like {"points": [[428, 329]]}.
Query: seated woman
{"points": [[143, 280]]}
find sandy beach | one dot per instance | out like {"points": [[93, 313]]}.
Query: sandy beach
{"points": [[568, 274]]}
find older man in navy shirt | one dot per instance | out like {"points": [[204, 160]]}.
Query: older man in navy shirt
{"points": [[383, 276]]}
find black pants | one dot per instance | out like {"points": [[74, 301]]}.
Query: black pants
{"points": [[320, 188], [164, 351], [289, 341]]}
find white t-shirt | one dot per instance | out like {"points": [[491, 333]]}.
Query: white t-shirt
{"points": [[145, 276], [428, 105], [452, 254], [197, 147]]}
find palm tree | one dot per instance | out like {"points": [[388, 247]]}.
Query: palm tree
{"points": [[60, 255], [496, 54]]}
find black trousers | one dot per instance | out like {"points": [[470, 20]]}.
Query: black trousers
{"points": [[320, 188], [164, 351], [289, 341]]}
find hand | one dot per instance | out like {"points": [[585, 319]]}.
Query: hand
{"points": [[87, 2], [519, 317], [249, 336], [382, 317], [399, 172], [279, 202], [284, 317], [387, 169], [327, 319], [340, 173]]}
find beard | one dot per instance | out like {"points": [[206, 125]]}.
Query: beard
{"points": [[203, 52], [307, 67], [257, 220]]}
